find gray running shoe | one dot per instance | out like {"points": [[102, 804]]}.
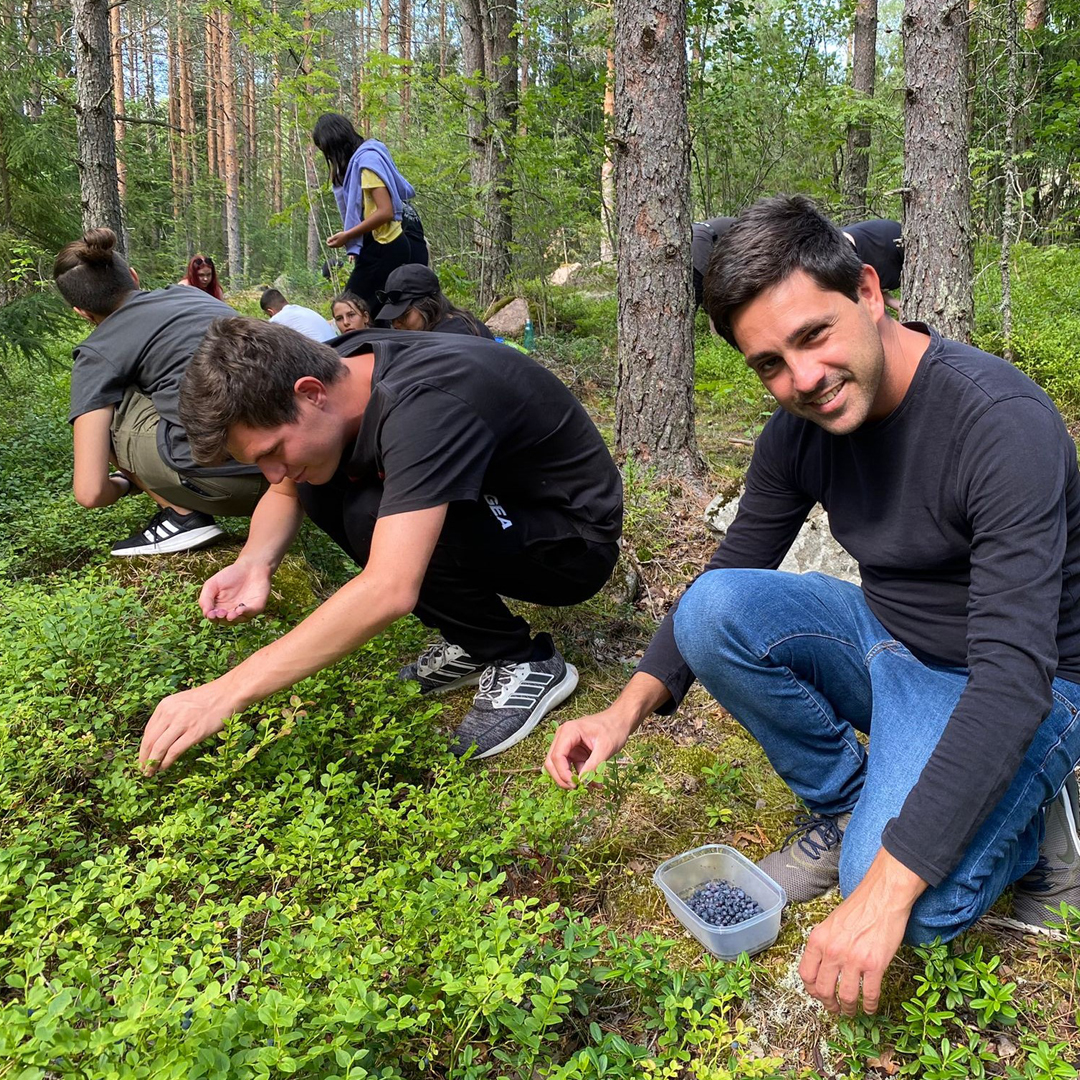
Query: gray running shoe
{"points": [[511, 701], [808, 862], [441, 667], [1055, 878]]}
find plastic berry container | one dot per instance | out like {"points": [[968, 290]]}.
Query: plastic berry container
{"points": [[680, 877]]}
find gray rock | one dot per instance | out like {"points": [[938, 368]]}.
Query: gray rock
{"points": [[509, 321], [814, 548], [564, 274]]}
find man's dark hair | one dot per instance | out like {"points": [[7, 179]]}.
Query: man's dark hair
{"points": [[768, 242], [91, 275], [243, 372], [272, 300]]}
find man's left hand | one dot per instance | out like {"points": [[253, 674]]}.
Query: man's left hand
{"points": [[852, 948], [179, 722]]}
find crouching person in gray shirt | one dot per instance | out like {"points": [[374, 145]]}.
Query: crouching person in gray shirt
{"points": [[124, 393]]}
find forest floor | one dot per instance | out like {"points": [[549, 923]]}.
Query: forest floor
{"points": [[266, 907]]}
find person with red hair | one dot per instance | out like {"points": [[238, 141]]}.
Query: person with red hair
{"points": [[202, 274]]}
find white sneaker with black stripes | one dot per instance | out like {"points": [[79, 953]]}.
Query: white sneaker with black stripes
{"points": [[441, 667], [512, 700], [168, 532]]}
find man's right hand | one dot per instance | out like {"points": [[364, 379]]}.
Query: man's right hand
{"points": [[235, 594], [582, 745]]}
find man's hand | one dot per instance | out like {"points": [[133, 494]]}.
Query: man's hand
{"points": [[235, 594], [857, 942], [581, 745], [336, 240], [182, 720]]}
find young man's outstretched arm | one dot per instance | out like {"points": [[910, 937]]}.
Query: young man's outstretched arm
{"points": [[386, 589]]}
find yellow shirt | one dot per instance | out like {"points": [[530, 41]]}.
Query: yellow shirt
{"points": [[384, 234]]}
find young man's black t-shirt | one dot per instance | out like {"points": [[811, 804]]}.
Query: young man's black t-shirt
{"points": [[465, 419]]}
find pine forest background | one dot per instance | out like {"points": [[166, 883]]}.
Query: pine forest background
{"points": [[215, 103]]}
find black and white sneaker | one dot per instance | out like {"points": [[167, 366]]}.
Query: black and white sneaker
{"points": [[167, 531], [441, 667], [511, 701]]}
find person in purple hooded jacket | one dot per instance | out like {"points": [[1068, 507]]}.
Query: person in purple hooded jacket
{"points": [[371, 195]]}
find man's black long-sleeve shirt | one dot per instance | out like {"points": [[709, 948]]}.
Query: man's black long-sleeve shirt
{"points": [[962, 509]]}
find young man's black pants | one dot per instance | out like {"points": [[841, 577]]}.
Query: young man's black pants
{"points": [[487, 549]]}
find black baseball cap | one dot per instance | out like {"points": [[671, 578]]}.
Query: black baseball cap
{"points": [[407, 283]]}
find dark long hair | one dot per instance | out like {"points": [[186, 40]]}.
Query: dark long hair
{"points": [[338, 140], [91, 276], [433, 309], [214, 288]]}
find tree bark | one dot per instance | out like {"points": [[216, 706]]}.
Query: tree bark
{"points": [[863, 71], [654, 403], [607, 169], [94, 120], [229, 148], [1011, 178], [116, 32], [490, 65], [937, 278]]}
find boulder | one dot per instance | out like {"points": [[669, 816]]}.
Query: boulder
{"points": [[564, 273], [509, 321], [814, 548]]}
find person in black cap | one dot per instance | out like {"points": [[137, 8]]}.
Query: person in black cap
{"points": [[877, 242], [414, 300]]}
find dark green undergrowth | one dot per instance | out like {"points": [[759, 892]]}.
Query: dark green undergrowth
{"points": [[323, 891]]}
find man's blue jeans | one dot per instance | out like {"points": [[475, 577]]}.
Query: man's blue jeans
{"points": [[802, 663]]}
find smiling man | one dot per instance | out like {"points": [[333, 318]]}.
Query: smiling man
{"points": [[950, 477], [455, 471]]}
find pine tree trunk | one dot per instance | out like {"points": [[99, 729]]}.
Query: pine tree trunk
{"points": [[654, 403], [34, 107], [384, 48], [863, 71], [405, 48], [607, 169], [489, 62], [1011, 178], [212, 105], [116, 33], [94, 119], [176, 150], [231, 168], [937, 278]]}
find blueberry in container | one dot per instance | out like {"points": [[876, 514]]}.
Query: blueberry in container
{"points": [[680, 877]]}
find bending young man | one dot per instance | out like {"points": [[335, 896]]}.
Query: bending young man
{"points": [[454, 471], [950, 477]]}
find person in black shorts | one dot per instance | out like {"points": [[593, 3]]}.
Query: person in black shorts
{"points": [[455, 471]]}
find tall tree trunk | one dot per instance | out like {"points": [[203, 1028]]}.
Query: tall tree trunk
{"points": [[490, 66], [314, 239], [229, 149], [94, 119], [405, 48], [212, 105], [189, 154], [937, 276], [442, 39], [1011, 177], [863, 70], [384, 48], [607, 169], [176, 149], [654, 402], [116, 33], [34, 107]]}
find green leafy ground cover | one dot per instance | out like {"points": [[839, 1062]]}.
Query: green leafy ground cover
{"points": [[325, 892]]}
